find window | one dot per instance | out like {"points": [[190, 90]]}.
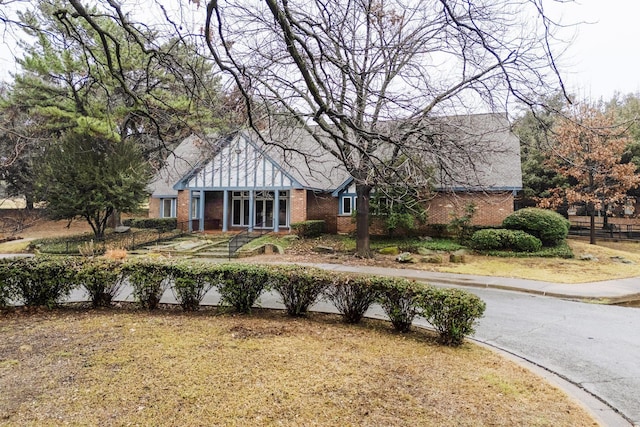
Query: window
{"points": [[168, 208], [240, 208], [348, 204], [195, 208], [283, 217]]}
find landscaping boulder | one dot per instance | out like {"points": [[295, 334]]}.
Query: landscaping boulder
{"points": [[425, 251], [406, 258], [432, 259], [324, 249], [458, 257], [390, 250]]}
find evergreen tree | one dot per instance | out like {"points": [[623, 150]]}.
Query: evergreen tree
{"points": [[90, 174]]}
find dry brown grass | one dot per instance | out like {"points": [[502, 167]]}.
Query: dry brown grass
{"points": [[116, 253], [605, 267], [108, 368], [546, 269]]}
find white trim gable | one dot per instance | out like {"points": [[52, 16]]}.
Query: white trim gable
{"points": [[240, 165]]}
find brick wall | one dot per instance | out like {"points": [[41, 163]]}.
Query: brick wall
{"points": [[154, 207], [492, 208], [182, 206], [298, 200], [325, 207]]}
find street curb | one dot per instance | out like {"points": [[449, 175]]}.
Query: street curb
{"points": [[609, 300], [601, 410]]}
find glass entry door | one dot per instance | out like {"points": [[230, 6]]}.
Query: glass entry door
{"points": [[264, 213]]}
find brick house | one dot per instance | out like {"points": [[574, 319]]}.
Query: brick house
{"points": [[239, 182]]}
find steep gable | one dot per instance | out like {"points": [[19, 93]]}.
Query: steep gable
{"points": [[238, 163]]}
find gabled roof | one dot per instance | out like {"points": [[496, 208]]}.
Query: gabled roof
{"points": [[481, 154], [186, 156], [477, 153]]}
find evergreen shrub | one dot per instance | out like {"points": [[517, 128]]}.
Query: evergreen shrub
{"points": [[309, 229], [352, 296], [549, 226], [42, 281], [153, 223], [452, 312], [299, 287], [149, 279], [503, 239], [191, 282], [240, 285], [398, 299], [102, 279]]}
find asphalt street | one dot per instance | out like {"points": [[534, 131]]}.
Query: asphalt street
{"points": [[594, 346]]}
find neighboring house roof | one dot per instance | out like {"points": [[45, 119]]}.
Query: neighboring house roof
{"points": [[480, 154]]}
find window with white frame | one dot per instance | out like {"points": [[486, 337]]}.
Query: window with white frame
{"points": [[347, 204], [195, 207], [168, 208]]}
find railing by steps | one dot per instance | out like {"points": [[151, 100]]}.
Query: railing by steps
{"points": [[244, 237]]}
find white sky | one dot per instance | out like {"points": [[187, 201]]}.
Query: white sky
{"points": [[602, 59]]}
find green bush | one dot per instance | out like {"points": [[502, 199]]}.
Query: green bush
{"points": [[488, 239], [42, 281], [149, 280], [452, 312], [191, 282], [502, 239], [299, 287], [549, 226], [524, 242], [398, 299], [308, 229], [155, 223], [240, 286], [460, 226], [6, 282], [102, 280], [352, 296]]}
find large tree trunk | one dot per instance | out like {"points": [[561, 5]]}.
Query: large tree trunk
{"points": [[363, 249]]}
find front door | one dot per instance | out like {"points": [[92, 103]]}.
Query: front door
{"points": [[264, 213]]}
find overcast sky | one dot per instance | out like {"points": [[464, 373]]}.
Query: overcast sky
{"points": [[603, 58]]}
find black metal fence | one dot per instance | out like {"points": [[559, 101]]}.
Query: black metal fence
{"points": [[87, 245], [611, 231]]}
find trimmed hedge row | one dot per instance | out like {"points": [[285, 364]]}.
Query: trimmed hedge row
{"points": [[47, 281], [157, 223]]}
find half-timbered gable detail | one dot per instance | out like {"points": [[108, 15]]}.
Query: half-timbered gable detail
{"points": [[239, 164]]}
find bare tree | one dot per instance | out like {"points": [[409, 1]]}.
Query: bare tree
{"points": [[366, 78]]}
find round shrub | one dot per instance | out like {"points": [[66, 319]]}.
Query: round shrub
{"points": [[524, 242], [453, 312], [487, 239], [502, 239], [549, 226]]}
